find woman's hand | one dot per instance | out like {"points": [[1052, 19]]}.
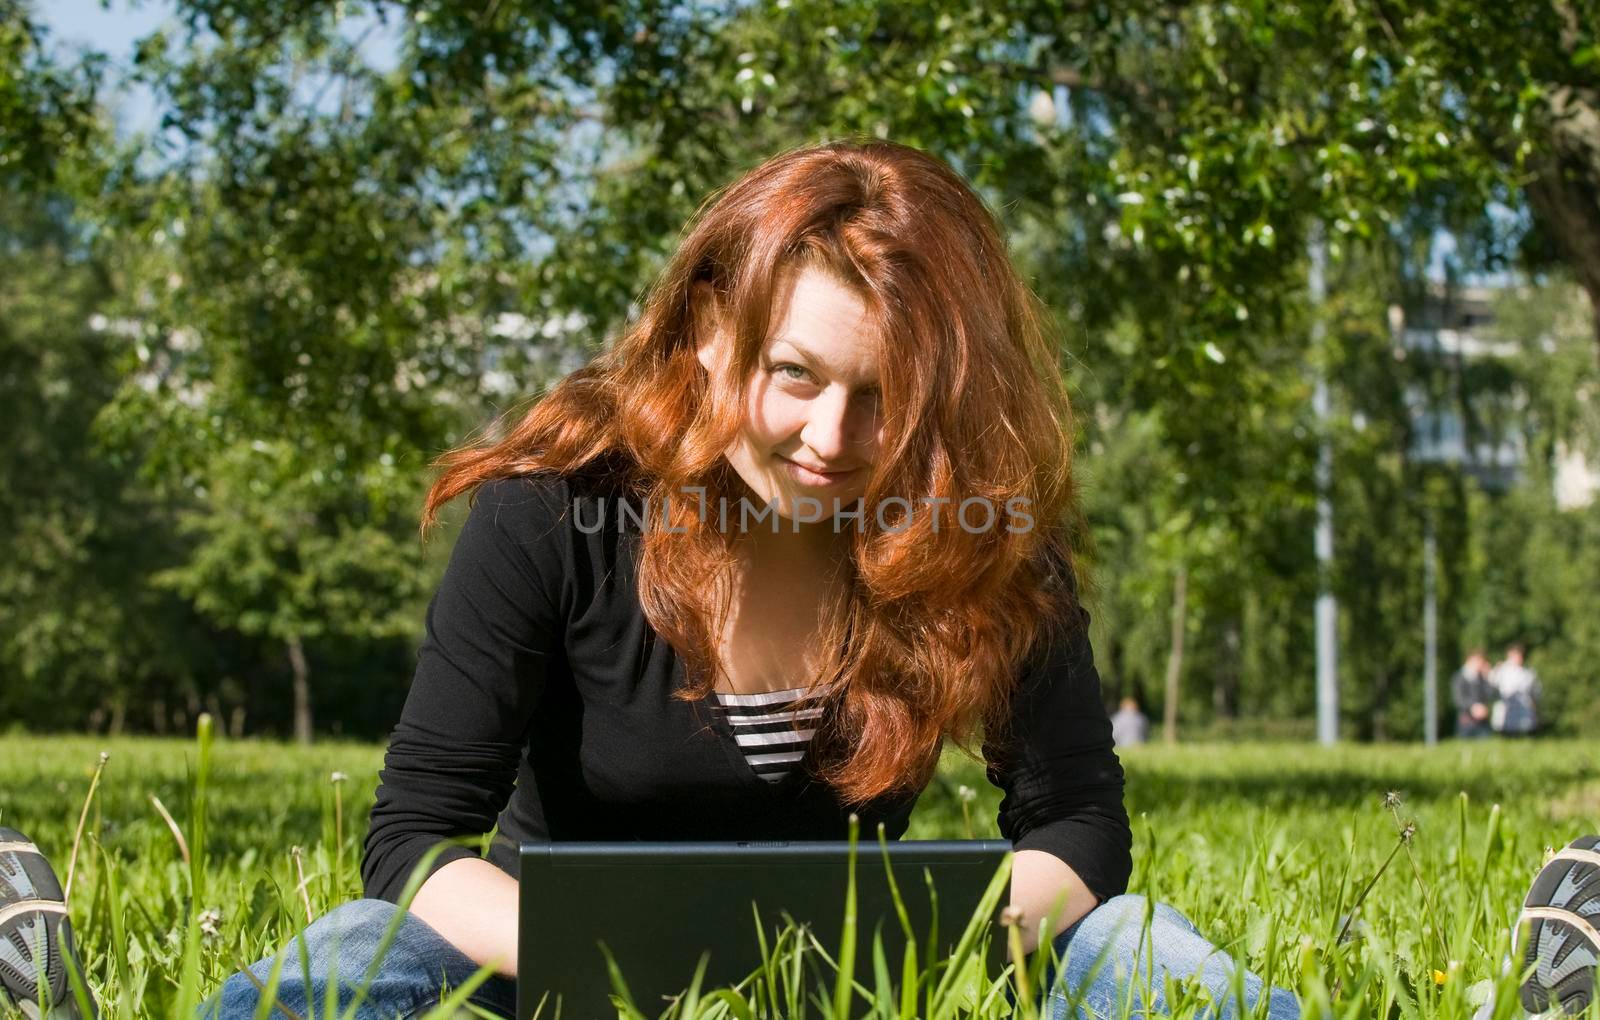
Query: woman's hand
{"points": [[473, 905], [1042, 883]]}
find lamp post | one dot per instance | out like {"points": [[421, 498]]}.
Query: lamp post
{"points": [[1434, 452], [1327, 619], [1430, 638]]}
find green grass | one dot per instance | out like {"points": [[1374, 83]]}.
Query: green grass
{"points": [[1266, 848]]}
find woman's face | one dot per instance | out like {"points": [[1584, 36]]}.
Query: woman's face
{"points": [[812, 402]]}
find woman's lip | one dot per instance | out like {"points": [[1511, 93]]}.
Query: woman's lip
{"points": [[832, 476]]}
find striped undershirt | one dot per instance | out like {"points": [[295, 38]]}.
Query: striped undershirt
{"points": [[773, 737]]}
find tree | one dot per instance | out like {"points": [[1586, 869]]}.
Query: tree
{"points": [[333, 269], [322, 257], [48, 114]]}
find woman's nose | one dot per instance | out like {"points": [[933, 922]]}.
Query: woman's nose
{"points": [[839, 424]]}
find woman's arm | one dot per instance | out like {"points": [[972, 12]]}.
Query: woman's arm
{"points": [[494, 632], [1045, 889], [473, 904], [1063, 784]]}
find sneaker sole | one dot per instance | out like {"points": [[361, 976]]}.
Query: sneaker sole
{"points": [[31, 910], [1562, 911]]}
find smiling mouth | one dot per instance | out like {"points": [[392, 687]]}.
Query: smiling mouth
{"points": [[827, 476]]}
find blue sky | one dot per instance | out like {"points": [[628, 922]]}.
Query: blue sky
{"points": [[111, 29], [114, 26]]}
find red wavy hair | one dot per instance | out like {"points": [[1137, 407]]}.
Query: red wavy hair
{"points": [[933, 627]]}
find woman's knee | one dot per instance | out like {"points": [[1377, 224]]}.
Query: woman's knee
{"points": [[341, 945], [1120, 913], [345, 937], [1133, 908], [1118, 926], [1105, 934], [356, 927]]}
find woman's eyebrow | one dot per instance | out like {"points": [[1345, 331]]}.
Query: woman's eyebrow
{"points": [[813, 361]]}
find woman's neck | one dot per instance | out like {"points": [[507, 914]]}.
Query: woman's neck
{"points": [[814, 551]]}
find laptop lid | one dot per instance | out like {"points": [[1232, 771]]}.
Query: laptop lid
{"points": [[658, 906]]}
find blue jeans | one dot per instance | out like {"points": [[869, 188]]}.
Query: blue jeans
{"points": [[1110, 965], [341, 944], [1101, 952]]}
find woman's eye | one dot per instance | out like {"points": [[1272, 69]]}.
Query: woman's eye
{"points": [[803, 373]]}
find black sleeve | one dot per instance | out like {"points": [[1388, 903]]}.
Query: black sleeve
{"points": [[492, 628], [1061, 778]]}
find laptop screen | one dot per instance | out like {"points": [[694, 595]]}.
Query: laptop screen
{"points": [[659, 908]]}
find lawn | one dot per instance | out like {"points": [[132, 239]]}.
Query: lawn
{"points": [[1265, 847]]}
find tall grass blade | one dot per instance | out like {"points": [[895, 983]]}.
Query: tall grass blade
{"points": [[690, 1002], [80, 991], [894, 887], [980, 920], [204, 732], [847, 938], [882, 983], [124, 1002], [621, 997], [83, 816], [268, 993], [737, 1005], [455, 1002], [189, 970]]}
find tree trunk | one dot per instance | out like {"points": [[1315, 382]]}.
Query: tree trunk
{"points": [[1225, 687], [1566, 191], [302, 691], [1110, 675], [1380, 705], [1180, 598]]}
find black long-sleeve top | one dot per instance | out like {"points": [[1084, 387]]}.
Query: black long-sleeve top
{"points": [[541, 701]]}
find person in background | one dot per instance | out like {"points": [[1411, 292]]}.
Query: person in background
{"points": [[1517, 711], [1472, 694], [1128, 724]]}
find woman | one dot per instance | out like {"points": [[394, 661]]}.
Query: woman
{"points": [[842, 339]]}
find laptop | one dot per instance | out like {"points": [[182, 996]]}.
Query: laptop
{"points": [[659, 906]]}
